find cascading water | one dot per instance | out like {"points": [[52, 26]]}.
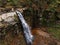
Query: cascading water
{"points": [[27, 31]]}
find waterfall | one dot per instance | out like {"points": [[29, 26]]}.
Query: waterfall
{"points": [[26, 28]]}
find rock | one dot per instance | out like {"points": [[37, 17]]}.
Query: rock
{"points": [[8, 18]]}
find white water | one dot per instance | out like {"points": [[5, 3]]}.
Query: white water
{"points": [[26, 28]]}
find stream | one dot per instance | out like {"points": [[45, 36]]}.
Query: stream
{"points": [[26, 29]]}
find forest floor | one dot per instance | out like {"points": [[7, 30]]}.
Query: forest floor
{"points": [[43, 38]]}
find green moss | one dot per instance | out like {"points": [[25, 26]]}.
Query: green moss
{"points": [[55, 32], [16, 18]]}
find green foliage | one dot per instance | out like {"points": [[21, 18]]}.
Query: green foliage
{"points": [[55, 32], [13, 2], [40, 5], [10, 2]]}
